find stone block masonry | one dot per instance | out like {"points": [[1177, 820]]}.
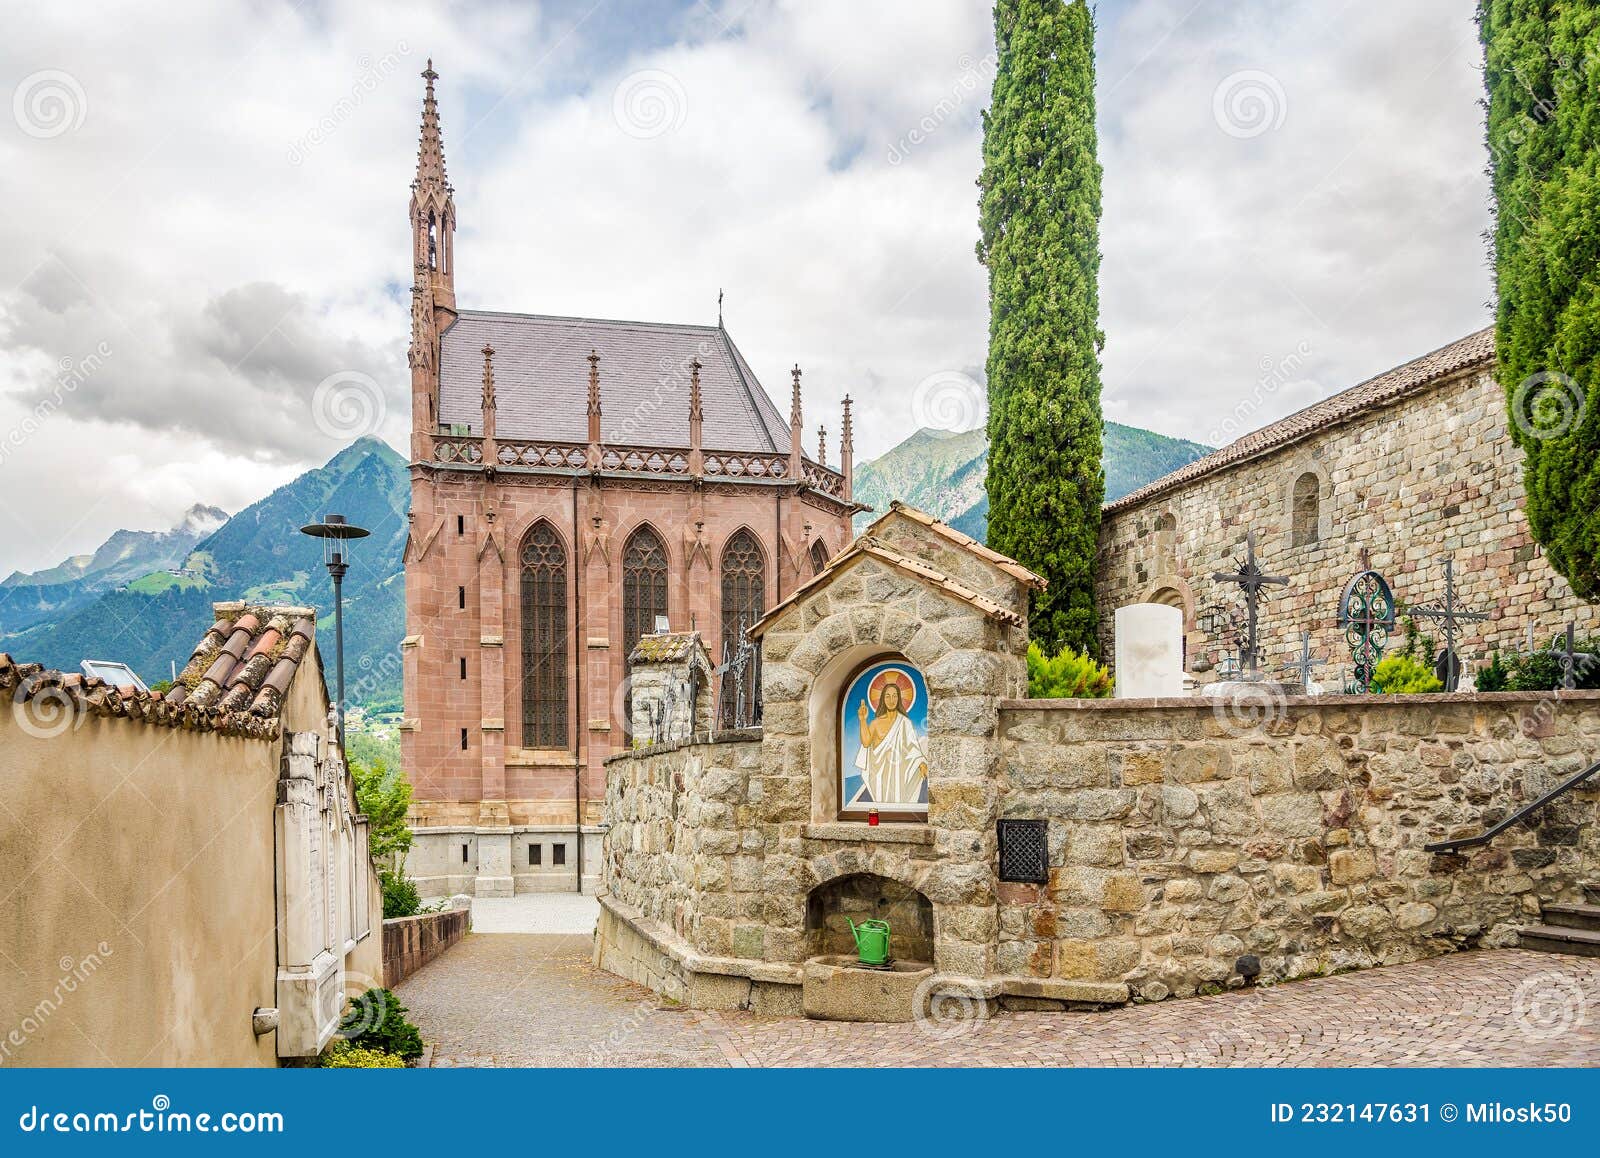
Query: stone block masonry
{"points": [[1187, 853], [409, 943]]}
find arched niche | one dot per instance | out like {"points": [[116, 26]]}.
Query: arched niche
{"points": [[853, 684]]}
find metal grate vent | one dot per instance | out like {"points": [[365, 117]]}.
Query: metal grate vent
{"points": [[1024, 851]]}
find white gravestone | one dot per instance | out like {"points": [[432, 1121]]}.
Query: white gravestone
{"points": [[1149, 651]]}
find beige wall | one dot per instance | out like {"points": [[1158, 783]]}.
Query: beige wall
{"points": [[151, 849], [139, 892], [1432, 477]]}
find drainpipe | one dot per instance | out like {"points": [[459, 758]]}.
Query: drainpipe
{"points": [[579, 727]]}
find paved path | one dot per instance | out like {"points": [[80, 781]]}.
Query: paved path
{"points": [[523, 1000]]}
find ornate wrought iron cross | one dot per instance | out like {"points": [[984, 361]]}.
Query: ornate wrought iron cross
{"points": [[1448, 615], [1303, 665], [1366, 612], [1251, 579]]}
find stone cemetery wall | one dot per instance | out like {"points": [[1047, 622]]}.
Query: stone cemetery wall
{"points": [[1432, 476], [1188, 851]]}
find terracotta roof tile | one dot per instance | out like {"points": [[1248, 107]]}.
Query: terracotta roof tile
{"points": [[1473, 351], [1007, 564], [247, 660]]}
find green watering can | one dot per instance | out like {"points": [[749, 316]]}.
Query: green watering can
{"points": [[872, 941]]}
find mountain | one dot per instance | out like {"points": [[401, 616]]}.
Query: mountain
{"points": [[943, 472], [27, 598], [153, 620]]}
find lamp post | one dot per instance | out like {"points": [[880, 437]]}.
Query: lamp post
{"points": [[334, 531]]}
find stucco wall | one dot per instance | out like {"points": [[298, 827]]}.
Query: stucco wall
{"points": [[1432, 477], [150, 849], [1181, 842]]}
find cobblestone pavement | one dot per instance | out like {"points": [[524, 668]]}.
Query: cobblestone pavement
{"points": [[520, 1000]]}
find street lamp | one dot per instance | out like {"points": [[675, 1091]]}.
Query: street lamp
{"points": [[334, 531]]}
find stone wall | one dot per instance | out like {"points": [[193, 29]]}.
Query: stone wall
{"points": [[1432, 477], [1187, 851], [409, 943]]}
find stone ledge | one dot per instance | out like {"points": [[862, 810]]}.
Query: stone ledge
{"points": [[1199, 702], [684, 954], [856, 830], [730, 736]]}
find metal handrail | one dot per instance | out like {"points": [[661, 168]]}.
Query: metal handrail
{"points": [[1489, 834]]}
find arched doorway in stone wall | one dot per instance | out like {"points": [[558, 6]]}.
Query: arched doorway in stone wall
{"points": [[864, 897]]}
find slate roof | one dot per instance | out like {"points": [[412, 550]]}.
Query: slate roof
{"points": [[1466, 353], [247, 660], [541, 375]]}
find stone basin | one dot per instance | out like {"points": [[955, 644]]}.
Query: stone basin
{"points": [[839, 988]]}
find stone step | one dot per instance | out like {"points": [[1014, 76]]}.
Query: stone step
{"points": [[1573, 916], [1591, 890], [1550, 939]]}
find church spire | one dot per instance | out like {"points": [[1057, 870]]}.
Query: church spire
{"points": [[433, 207], [847, 449]]}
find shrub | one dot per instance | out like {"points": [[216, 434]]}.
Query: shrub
{"points": [[390, 1032], [1493, 676], [341, 1055], [1067, 675], [1399, 676], [1541, 671], [400, 896]]}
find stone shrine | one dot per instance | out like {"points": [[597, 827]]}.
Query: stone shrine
{"points": [[1039, 854]]}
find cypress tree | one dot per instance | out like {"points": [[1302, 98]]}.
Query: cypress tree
{"points": [[1542, 72], [1039, 220]]}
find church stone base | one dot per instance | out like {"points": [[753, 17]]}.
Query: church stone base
{"points": [[494, 861]]}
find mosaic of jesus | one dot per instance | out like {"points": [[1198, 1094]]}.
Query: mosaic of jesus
{"points": [[883, 730]]}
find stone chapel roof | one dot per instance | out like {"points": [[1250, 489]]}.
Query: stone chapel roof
{"points": [[1473, 351], [541, 374], [869, 546]]}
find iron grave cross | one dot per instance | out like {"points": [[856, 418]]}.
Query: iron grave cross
{"points": [[1304, 664], [1448, 615], [1251, 579]]}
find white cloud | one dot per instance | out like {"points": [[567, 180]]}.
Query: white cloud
{"points": [[229, 215]]}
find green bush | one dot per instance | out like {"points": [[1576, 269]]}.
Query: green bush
{"points": [[342, 1055], [1541, 671], [1067, 675], [390, 1032], [400, 896], [1494, 676], [1399, 676]]}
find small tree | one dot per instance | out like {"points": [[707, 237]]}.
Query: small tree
{"points": [[384, 797]]}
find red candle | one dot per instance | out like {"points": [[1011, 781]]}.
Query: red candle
{"points": [[872, 818]]}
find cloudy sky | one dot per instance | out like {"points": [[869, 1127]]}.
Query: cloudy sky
{"points": [[206, 213]]}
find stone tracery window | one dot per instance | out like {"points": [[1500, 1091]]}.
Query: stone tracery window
{"points": [[1306, 512], [544, 639], [744, 585], [644, 586], [819, 556]]}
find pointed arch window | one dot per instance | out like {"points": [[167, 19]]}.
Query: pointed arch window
{"points": [[544, 639], [644, 586], [819, 556], [744, 585]]}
